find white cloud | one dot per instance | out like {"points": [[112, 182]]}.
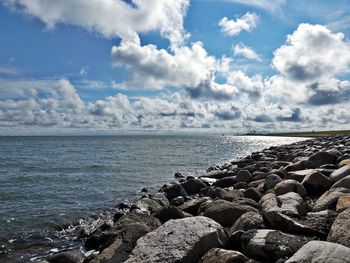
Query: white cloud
{"points": [[111, 18], [247, 22], [312, 53], [244, 51]]}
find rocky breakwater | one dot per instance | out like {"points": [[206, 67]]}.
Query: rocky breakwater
{"points": [[288, 203]]}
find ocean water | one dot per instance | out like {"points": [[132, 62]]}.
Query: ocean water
{"points": [[46, 182]]}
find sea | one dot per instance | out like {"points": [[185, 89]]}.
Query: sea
{"points": [[52, 185]]}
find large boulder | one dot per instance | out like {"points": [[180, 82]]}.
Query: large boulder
{"points": [[320, 158], [271, 181], [191, 206], [343, 203], [343, 183], [329, 199], [290, 185], [266, 244], [244, 176], [226, 182], [247, 221], [182, 240], [225, 212], [339, 232], [193, 186], [321, 251], [169, 212], [160, 198], [292, 204], [253, 194], [147, 204], [173, 190], [316, 183], [340, 173], [219, 255], [66, 257]]}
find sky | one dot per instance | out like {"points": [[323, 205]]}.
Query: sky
{"points": [[208, 66]]}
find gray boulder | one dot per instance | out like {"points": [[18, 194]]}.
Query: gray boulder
{"points": [[266, 244], [343, 183], [244, 176], [67, 257], [219, 255], [193, 186], [191, 206], [147, 204], [160, 198], [292, 204], [339, 232], [321, 252], [182, 240], [247, 221], [340, 173], [316, 183], [225, 182], [271, 181], [329, 199], [174, 190], [320, 158], [169, 212], [253, 194], [225, 212], [290, 185]]}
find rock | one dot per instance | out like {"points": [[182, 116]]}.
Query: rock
{"points": [[321, 251], [253, 194], [147, 204], [169, 212], [192, 206], [225, 182], [240, 185], [340, 173], [289, 185], [343, 163], [339, 232], [300, 165], [292, 204], [178, 201], [244, 176], [208, 181], [160, 198], [299, 175], [179, 175], [219, 255], [342, 183], [231, 195], [320, 221], [321, 158], [182, 240], [174, 190], [266, 244], [343, 203], [193, 186], [66, 257], [122, 206], [225, 212], [329, 199], [316, 183], [271, 181], [335, 152], [218, 174], [247, 221]]}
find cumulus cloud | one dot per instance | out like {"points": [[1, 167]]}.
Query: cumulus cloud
{"points": [[244, 51], [231, 27], [312, 53], [111, 18]]}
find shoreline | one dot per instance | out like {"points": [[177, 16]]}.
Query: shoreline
{"points": [[253, 185]]}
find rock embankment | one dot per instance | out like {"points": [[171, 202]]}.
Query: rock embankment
{"points": [[287, 203]]}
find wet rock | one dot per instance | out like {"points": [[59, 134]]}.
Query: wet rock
{"points": [[321, 251], [316, 183], [178, 201], [192, 206], [320, 158], [169, 212], [219, 255], [193, 186], [123, 206], [173, 190], [253, 194], [66, 257], [247, 221], [329, 199], [225, 182], [289, 185], [266, 244], [343, 203], [342, 183], [271, 181], [244, 176], [218, 174], [339, 232], [147, 204], [160, 198], [179, 175], [225, 212], [182, 240], [340, 173]]}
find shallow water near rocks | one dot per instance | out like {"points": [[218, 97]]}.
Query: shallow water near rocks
{"points": [[50, 182]]}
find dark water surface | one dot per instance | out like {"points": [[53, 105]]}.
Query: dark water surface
{"points": [[50, 181]]}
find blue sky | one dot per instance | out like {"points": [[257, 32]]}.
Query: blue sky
{"points": [[180, 65]]}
